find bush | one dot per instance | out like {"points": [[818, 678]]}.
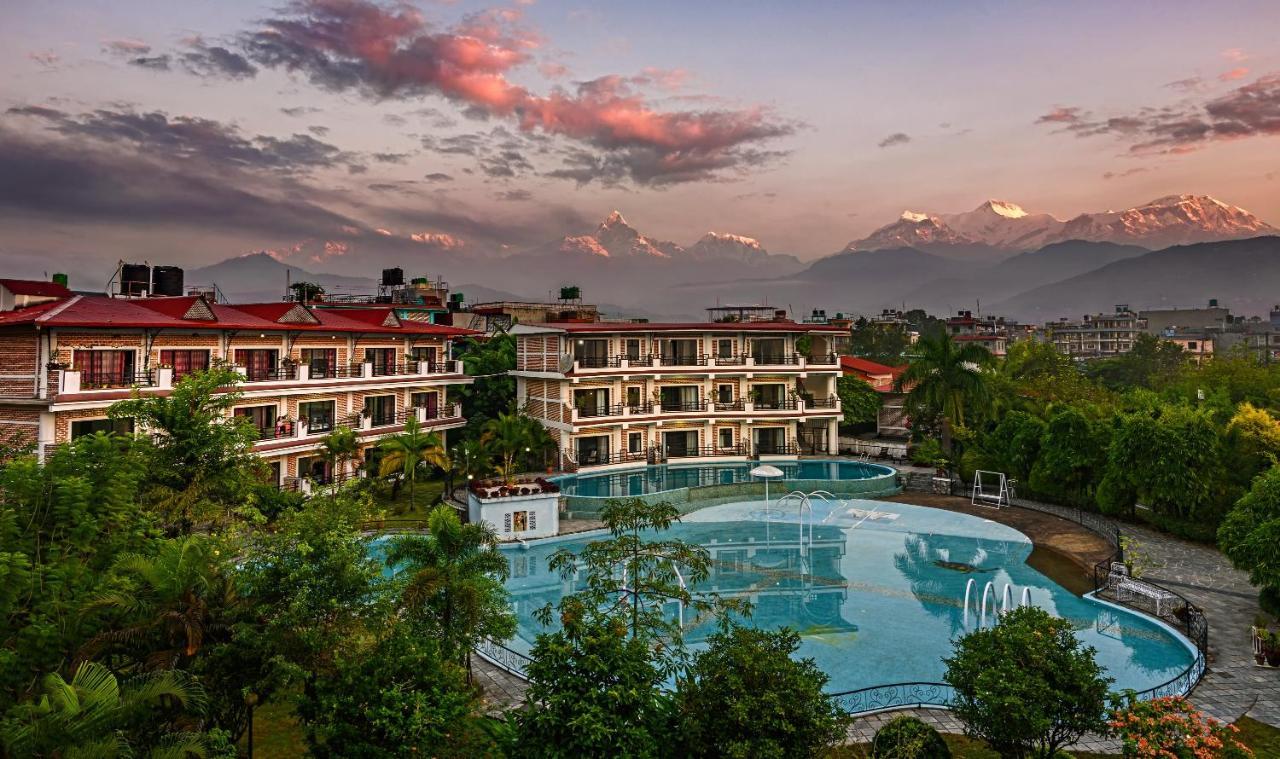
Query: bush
{"points": [[1026, 686], [928, 452], [1171, 727], [909, 738], [745, 696], [1250, 535]]}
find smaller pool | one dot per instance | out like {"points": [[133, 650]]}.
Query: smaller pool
{"points": [[659, 479]]}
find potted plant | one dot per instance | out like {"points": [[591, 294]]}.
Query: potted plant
{"points": [[1271, 644]]}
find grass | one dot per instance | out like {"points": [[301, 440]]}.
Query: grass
{"points": [[1259, 736], [276, 732], [426, 495]]}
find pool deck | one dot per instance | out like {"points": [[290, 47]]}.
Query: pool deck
{"points": [[1232, 686]]}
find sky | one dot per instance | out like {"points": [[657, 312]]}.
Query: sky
{"points": [[336, 133]]}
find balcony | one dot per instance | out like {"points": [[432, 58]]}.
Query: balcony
{"points": [[72, 382], [776, 404], [326, 371], [776, 359], [706, 451], [682, 407], [596, 458], [598, 410], [683, 359], [822, 359], [830, 402], [734, 360], [777, 449]]}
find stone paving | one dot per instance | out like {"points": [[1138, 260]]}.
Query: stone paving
{"points": [[502, 690]]}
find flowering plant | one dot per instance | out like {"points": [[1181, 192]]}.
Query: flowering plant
{"points": [[1171, 728]]}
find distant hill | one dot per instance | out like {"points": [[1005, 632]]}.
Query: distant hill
{"points": [[1243, 274], [258, 278]]}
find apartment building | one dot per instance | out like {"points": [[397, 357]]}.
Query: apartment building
{"points": [[617, 393], [306, 370], [1098, 335]]}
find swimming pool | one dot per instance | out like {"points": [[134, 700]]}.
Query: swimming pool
{"points": [[876, 589], [660, 479]]}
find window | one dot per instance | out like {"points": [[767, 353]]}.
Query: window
{"points": [[104, 368], [314, 468], [263, 418], [259, 364], [724, 348], [1191, 345], [109, 426], [726, 438], [429, 401], [724, 394], [426, 353], [184, 362], [323, 362], [380, 409], [318, 415], [383, 360], [633, 397], [273, 473], [633, 349], [635, 442]]}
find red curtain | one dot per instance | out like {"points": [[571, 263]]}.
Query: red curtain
{"points": [[185, 362], [104, 368], [258, 364]]}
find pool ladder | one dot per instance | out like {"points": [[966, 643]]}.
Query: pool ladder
{"points": [[1004, 606]]}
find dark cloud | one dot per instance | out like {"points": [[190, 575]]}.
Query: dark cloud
{"points": [[515, 196], [390, 157], [217, 62], [78, 183], [186, 139], [404, 186], [1251, 110], [437, 176], [318, 130], [897, 138], [299, 110], [152, 62], [125, 48]]}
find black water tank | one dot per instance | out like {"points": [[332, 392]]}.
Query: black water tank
{"points": [[392, 277], [166, 280], [135, 279]]}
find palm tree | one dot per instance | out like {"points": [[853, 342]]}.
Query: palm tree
{"points": [[340, 447], [509, 434], [89, 716], [170, 601], [408, 450], [454, 582], [947, 379]]}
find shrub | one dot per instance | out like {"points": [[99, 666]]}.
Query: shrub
{"points": [[745, 696], [1171, 727], [1026, 686], [909, 738], [1250, 536]]}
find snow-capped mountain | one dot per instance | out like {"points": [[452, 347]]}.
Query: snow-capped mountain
{"points": [[721, 246], [1004, 226], [1172, 220], [619, 239]]}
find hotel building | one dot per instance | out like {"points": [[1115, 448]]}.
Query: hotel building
{"points": [[306, 371], [621, 393]]}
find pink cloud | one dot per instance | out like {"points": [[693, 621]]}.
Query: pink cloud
{"points": [[1233, 74], [1235, 54], [45, 58], [438, 240]]}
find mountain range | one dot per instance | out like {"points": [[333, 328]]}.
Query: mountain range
{"points": [[988, 257]]}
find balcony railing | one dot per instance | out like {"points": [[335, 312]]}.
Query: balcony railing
{"points": [[596, 458], [319, 425], [776, 359], [683, 359], [736, 405], [830, 401], [598, 410], [277, 431], [273, 374], [777, 449], [705, 451], [90, 380], [598, 362], [392, 370], [336, 371], [694, 405], [639, 408], [776, 404], [386, 418], [823, 359], [637, 360], [735, 360]]}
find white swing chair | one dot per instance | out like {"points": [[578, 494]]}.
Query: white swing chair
{"points": [[991, 489]]}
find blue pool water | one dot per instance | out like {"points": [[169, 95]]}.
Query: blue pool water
{"points": [[657, 479], [877, 599]]}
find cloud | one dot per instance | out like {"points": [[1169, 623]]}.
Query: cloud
{"points": [[437, 176], [46, 58], [1235, 54], [438, 240], [152, 62], [1125, 173], [393, 53], [390, 157], [299, 110], [125, 47], [186, 138], [515, 196], [1060, 115], [1234, 74], [897, 138], [1190, 84], [1250, 110]]}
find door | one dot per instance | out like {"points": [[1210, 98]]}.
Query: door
{"points": [[680, 444], [771, 440], [592, 450], [259, 364], [322, 361], [383, 360]]}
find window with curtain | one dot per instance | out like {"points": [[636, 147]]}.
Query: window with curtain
{"points": [[322, 361], [262, 417], [429, 401], [381, 409], [383, 360], [104, 368], [318, 415], [259, 363], [184, 362]]}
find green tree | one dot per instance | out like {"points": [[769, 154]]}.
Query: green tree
{"points": [[859, 401], [1167, 458], [204, 456], [594, 691], [305, 292], [1012, 446], [453, 584], [882, 343], [1073, 455], [163, 605], [509, 435], [340, 447], [908, 737], [488, 359], [94, 715], [409, 450], [398, 697], [745, 696], [1151, 363], [1027, 686], [1250, 536], [632, 576], [946, 380]]}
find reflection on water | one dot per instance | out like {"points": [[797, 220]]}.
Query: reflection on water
{"points": [[654, 479], [876, 601]]}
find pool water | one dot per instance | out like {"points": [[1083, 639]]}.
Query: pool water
{"points": [[657, 479], [875, 589]]}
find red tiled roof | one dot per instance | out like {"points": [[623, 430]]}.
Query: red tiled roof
{"points": [[161, 313], [853, 363], [35, 287], [691, 327]]}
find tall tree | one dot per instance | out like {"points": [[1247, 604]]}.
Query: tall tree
{"points": [[340, 447], [453, 583], [509, 435], [1250, 536], [488, 359], [407, 451], [947, 380], [859, 401]]}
